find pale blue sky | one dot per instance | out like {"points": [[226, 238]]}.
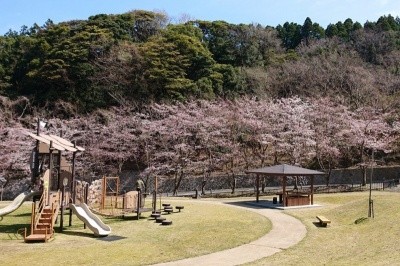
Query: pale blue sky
{"points": [[15, 13]]}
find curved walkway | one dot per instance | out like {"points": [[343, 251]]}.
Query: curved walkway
{"points": [[286, 231]]}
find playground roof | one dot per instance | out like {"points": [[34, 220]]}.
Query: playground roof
{"points": [[284, 170], [58, 143]]}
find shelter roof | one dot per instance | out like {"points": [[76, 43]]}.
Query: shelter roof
{"points": [[284, 170], [57, 142]]}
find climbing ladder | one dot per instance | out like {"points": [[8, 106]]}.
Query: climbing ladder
{"points": [[42, 220]]}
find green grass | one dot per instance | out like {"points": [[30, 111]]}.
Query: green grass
{"points": [[200, 228], [203, 228], [345, 242]]}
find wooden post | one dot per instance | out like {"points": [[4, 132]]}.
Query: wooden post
{"points": [[59, 181], [50, 170], [62, 208], [73, 187], [117, 193], [35, 158], [103, 194], [139, 203], [155, 193], [258, 188], [312, 190], [33, 216], [86, 198], [70, 217], [284, 190]]}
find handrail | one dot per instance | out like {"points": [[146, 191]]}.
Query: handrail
{"points": [[37, 212], [33, 216], [55, 207]]}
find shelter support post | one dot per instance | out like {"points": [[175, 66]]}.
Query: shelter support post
{"points": [[312, 190], [284, 190], [258, 188]]}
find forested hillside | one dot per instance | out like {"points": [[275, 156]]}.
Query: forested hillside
{"points": [[138, 57], [202, 98]]}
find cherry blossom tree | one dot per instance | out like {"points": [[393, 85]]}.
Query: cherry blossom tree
{"points": [[192, 144], [329, 120], [369, 132]]}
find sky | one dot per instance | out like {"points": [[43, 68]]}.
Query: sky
{"points": [[16, 13]]}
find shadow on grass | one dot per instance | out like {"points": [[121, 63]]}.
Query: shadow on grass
{"points": [[111, 238], [91, 235], [134, 218], [319, 225], [21, 215], [76, 233], [250, 204], [12, 228]]}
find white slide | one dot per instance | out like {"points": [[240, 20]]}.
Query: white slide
{"points": [[17, 202], [91, 220]]}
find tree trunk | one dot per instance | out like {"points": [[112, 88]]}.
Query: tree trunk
{"points": [[178, 180], [363, 167], [263, 184], [364, 175], [203, 185], [328, 177], [233, 184]]}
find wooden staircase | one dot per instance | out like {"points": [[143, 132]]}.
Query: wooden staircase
{"points": [[42, 221]]}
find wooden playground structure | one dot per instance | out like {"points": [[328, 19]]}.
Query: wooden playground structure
{"points": [[54, 178], [115, 203], [55, 191]]}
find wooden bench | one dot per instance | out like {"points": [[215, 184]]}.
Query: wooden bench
{"points": [[323, 220]]}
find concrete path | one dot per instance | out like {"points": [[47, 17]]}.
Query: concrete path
{"points": [[286, 231]]}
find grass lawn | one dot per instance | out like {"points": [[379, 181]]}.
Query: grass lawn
{"points": [[344, 242], [203, 228], [200, 228]]}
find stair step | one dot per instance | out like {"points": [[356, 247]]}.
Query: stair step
{"points": [[42, 231], [38, 237], [43, 225]]}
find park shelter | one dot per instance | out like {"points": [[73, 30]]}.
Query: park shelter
{"points": [[283, 171]]}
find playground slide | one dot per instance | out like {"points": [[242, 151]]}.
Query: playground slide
{"points": [[90, 219], [17, 202]]}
